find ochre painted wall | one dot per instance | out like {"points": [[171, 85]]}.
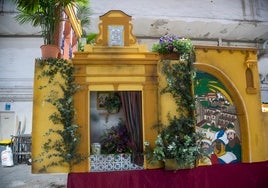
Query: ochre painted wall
{"points": [[100, 69], [41, 123], [117, 69], [265, 131], [229, 66], [132, 68]]}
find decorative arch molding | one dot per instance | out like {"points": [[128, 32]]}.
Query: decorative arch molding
{"points": [[238, 101]]}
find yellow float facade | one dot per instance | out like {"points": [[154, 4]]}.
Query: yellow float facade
{"points": [[130, 67]]}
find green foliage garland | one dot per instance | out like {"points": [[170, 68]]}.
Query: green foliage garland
{"points": [[179, 78], [64, 147], [177, 140]]}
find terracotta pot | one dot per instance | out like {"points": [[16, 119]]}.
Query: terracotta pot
{"points": [[50, 51]]}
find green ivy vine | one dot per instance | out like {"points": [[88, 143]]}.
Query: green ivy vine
{"points": [[179, 76], [178, 139], [63, 148]]}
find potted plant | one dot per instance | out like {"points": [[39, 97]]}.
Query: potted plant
{"points": [[171, 46], [113, 103], [176, 144], [177, 141], [116, 140], [45, 14]]}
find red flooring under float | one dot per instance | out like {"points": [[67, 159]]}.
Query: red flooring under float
{"points": [[246, 175]]}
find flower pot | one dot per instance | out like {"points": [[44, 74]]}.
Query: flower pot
{"points": [[50, 51], [96, 148], [172, 164], [171, 56]]}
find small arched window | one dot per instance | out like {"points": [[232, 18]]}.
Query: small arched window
{"points": [[250, 81], [249, 78]]}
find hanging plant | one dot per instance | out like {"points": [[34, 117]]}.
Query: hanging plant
{"points": [[113, 103], [173, 44], [63, 148]]}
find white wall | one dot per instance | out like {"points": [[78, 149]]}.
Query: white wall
{"points": [[17, 58], [23, 114], [209, 19]]}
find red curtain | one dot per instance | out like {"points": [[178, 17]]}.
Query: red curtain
{"points": [[132, 107]]}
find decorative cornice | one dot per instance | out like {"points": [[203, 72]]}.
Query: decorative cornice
{"points": [[230, 48], [115, 55]]}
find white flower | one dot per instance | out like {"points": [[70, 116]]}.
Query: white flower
{"points": [[146, 143], [159, 140], [170, 147]]}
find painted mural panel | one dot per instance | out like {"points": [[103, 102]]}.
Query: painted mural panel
{"points": [[217, 120]]}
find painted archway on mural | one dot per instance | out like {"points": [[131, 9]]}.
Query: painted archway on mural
{"points": [[237, 100]]}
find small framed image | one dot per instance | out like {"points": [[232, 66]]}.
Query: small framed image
{"points": [[116, 35], [101, 98]]}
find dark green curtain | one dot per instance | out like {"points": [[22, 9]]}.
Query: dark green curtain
{"points": [[132, 107]]}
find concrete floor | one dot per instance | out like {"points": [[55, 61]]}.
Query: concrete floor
{"points": [[20, 176]]}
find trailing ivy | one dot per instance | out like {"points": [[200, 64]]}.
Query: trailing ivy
{"points": [[177, 139], [179, 76], [63, 148]]}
